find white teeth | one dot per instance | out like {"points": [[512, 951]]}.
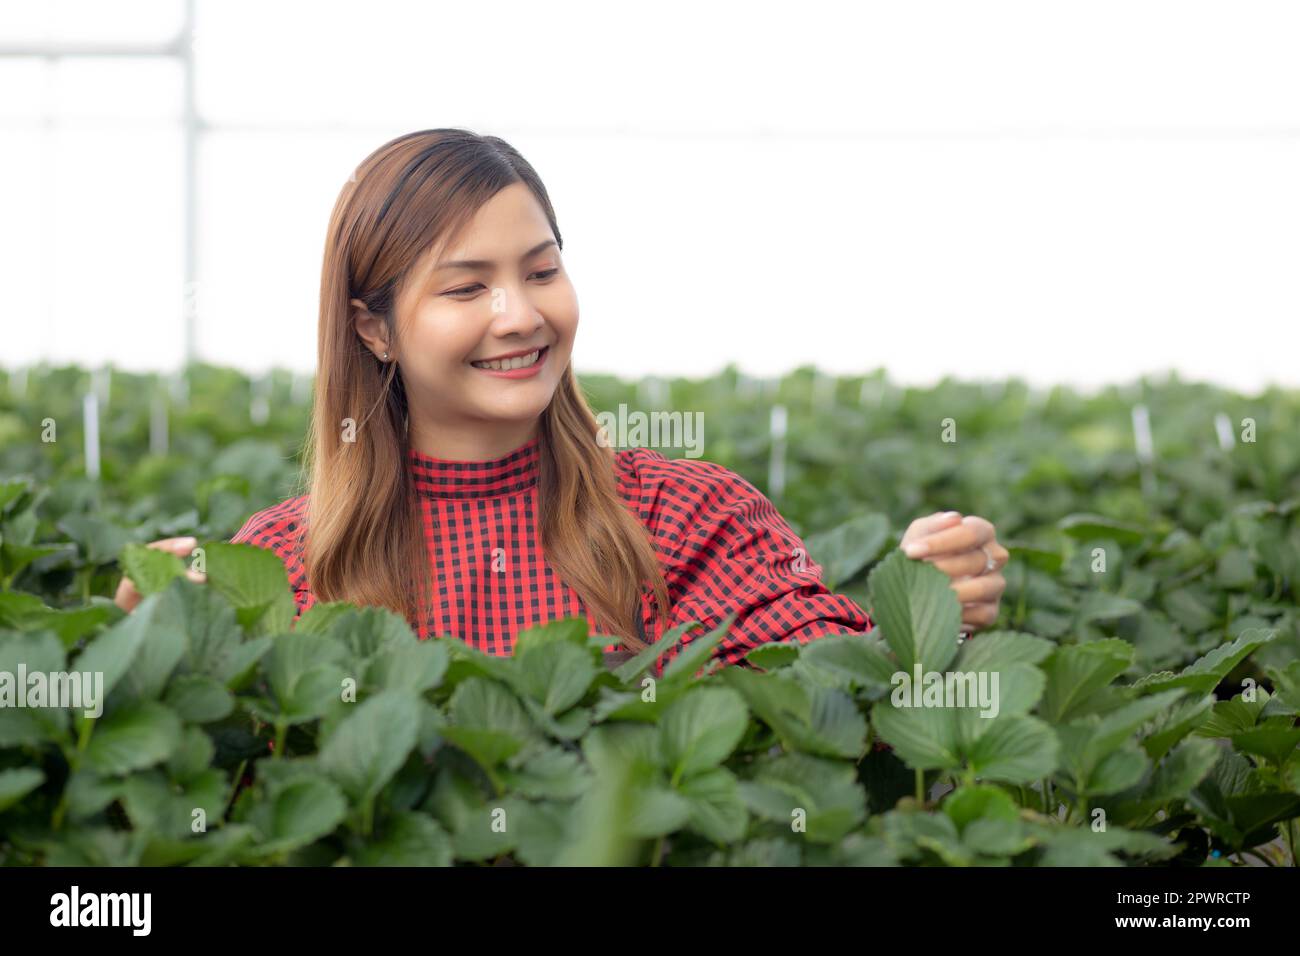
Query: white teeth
{"points": [[504, 365]]}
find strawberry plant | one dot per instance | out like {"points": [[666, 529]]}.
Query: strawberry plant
{"points": [[1145, 670]]}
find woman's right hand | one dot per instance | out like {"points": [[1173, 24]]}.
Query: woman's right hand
{"points": [[128, 597]]}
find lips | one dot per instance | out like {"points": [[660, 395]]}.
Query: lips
{"points": [[515, 361]]}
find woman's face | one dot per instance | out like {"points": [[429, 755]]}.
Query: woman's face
{"points": [[500, 289]]}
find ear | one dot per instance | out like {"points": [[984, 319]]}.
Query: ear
{"points": [[371, 330]]}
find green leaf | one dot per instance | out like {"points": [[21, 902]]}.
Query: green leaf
{"points": [[133, 738], [701, 730], [845, 550], [1076, 672], [192, 757], [1276, 743], [17, 783], [926, 738], [100, 541], [216, 644], [1090, 740], [774, 655], [815, 719], [556, 673], [369, 631], [165, 810], [150, 569], [856, 660], [632, 668], [305, 678], [113, 651], [696, 653], [967, 804], [570, 630], [1010, 690], [161, 649], [797, 789], [552, 773], [88, 793], [1014, 750], [1208, 671], [39, 651], [655, 811], [716, 808], [417, 667], [27, 612], [1116, 771], [1101, 606], [369, 745], [917, 609], [199, 699], [475, 824], [297, 813], [255, 582], [615, 745], [488, 722], [1173, 725], [407, 839], [992, 650], [1089, 527], [1184, 767]]}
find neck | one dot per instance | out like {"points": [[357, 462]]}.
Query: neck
{"points": [[470, 442]]}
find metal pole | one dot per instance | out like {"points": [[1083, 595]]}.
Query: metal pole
{"points": [[185, 50]]}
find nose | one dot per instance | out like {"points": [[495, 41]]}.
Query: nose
{"points": [[513, 312]]}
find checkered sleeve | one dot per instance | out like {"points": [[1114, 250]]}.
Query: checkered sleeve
{"points": [[279, 529], [725, 548]]}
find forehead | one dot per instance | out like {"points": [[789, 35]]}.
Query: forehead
{"points": [[501, 229]]}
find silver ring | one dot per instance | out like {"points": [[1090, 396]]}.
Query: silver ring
{"points": [[990, 564]]}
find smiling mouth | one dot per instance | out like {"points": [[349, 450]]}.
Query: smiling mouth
{"points": [[519, 361]]}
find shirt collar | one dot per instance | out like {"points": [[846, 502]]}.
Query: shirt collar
{"points": [[446, 478]]}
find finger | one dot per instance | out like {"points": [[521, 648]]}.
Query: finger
{"points": [[179, 546], [127, 597], [922, 527], [977, 590], [979, 615], [965, 565], [969, 535], [197, 576]]}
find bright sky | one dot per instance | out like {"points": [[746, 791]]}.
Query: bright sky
{"points": [[1069, 192]]}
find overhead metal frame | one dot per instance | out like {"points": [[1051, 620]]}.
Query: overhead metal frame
{"points": [[180, 48]]}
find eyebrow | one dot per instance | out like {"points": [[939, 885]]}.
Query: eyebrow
{"points": [[488, 263]]}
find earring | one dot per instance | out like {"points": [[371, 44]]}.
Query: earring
{"points": [[385, 356]]}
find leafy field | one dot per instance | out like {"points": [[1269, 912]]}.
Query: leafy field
{"points": [[1148, 590]]}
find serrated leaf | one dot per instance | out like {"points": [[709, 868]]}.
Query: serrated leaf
{"points": [[919, 612]]}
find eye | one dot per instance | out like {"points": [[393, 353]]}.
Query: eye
{"points": [[466, 290]]}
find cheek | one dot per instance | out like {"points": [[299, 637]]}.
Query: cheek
{"points": [[436, 337], [564, 311]]}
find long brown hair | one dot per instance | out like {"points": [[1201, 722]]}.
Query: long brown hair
{"points": [[363, 536]]}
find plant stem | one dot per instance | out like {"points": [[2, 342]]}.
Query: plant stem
{"points": [[658, 851], [920, 786], [74, 762], [234, 787]]}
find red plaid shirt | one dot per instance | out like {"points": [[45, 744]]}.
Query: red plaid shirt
{"points": [[721, 543]]}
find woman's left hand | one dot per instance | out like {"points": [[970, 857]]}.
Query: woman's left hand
{"points": [[967, 550]]}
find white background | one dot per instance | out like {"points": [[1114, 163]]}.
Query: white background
{"points": [[1067, 192]]}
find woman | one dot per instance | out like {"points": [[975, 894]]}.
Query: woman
{"points": [[458, 476]]}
